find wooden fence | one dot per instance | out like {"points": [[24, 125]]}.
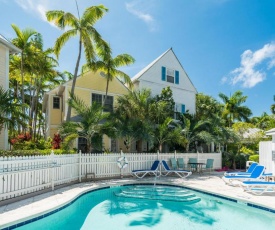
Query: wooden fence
{"points": [[265, 156], [23, 175]]}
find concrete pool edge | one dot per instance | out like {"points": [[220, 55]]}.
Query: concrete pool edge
{"points": [[92, 187]]}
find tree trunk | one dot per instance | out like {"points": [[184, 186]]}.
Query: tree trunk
{"points": [[68, 118]]}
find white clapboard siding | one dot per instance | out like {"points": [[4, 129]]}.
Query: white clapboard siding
{"points": [[23, 175]]}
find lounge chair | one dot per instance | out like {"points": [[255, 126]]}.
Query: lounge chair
{"points": [[180, 163], [257, 174], [143, 172], [258, 187], [248, 172], [173, 163], [180, 173]]}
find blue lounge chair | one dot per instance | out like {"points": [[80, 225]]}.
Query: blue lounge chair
{"points": [[180, 173], [258, 187], [248, 172], [143, 172], [257, 174]]}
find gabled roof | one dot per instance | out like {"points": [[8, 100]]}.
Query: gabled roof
{"points": [[251, 132], [140, 73], [12, 48], [144, 70]]}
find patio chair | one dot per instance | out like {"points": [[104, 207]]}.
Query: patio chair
{"points": [[173, 163], [258, 187], [180, 163], [154, 170], [180, 173], [248, 172], [257, 174], [209, 165], [193, 167]]}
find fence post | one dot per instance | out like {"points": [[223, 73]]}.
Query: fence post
{"points": [[158, 155], [79, 168], [121, 172], [52, 168], [175, 153]]}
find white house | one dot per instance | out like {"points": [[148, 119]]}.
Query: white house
{"points": [[6, 48], [165, 71]]}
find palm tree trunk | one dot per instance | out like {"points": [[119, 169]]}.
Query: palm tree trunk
{"points": [[107, 88], [74, 79]]}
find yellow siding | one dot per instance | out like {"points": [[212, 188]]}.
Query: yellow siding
{"points": [[106, 142], [3, 66]]}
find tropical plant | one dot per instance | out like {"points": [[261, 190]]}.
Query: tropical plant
{"points": [[24, 42], [83, 27], [11, 114], [195, 130], [233, 109], [109, 66], [90, 124]]}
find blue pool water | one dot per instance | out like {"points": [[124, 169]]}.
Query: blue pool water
{"points": [[109, 209]]}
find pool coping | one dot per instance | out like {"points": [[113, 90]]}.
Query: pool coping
{"points": [[50, 211]]}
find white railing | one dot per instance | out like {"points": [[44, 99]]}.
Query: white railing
{"points": [[23, 175]]}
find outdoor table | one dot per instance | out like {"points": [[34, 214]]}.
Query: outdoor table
{"points": [[198, 166]]}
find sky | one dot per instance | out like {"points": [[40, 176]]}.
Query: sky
{"points": [[223, 45]]}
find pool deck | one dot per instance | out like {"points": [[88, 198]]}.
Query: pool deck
{"points": [[37, 205]]}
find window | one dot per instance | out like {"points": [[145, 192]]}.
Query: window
{"points": [[108, 105], [56, 102], [179, 109], [169, 75]]}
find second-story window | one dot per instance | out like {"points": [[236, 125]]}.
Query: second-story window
{"points": [[56, 103], [170, 76], [99, 98]]}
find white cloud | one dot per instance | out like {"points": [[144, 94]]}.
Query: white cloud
{"points": [[140, 10], [37, 7], [253, 66]]}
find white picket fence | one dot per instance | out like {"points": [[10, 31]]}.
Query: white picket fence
{"points": [[23, 175]]}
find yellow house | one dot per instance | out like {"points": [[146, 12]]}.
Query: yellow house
{"points": [[89, 87], [6, 48]]}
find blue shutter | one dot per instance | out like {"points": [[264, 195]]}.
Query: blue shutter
{"points": [[182, 108], [163, 73], [177, 77]]}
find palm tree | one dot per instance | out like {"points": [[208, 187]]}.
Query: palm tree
{"points": [[10, 110], [109, 66], [195, 130], [83, 27], [233, 108], [131, 117], [90, 123], [24, 42]]}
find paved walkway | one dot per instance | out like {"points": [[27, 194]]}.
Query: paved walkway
{"points": [[37, 205]]}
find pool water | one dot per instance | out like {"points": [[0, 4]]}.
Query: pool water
{"points": [[104, 210]]}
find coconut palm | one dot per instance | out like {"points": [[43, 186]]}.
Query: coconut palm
{"points": [[109, 66], [24, 42], [83, 27], [233, 109]]}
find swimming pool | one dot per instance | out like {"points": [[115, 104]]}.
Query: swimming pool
{"points": [[103, 210]]}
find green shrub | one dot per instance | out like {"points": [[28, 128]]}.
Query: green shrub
{"points": [[254, 158], [34, 152]]}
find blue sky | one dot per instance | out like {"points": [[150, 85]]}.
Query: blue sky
{"points": [[224, 45]]}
